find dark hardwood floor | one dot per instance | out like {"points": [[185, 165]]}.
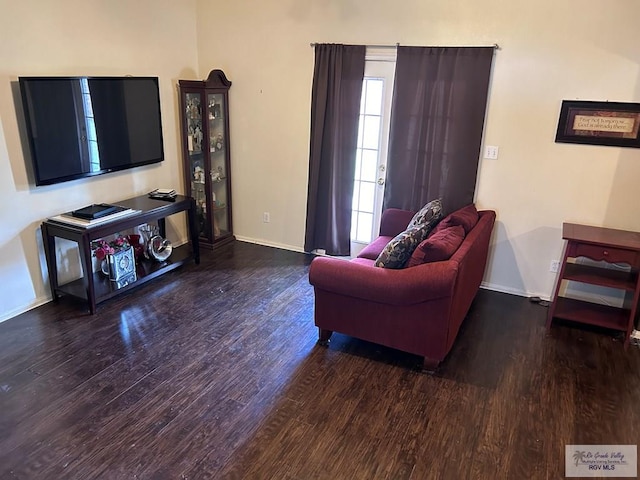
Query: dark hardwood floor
{"points": [[212, 372]]}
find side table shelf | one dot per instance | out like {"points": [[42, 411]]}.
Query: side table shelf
{"points": [[95, 287], [599, 244], [604, 277], [592, 313]]}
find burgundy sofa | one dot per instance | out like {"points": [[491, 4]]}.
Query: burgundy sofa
{"points": [[418, 309]]}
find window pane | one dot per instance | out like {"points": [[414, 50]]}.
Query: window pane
{"points": [[373, 104], [360, 131], [356, 195], [369, 164], [357, 174], [91, 130], [365, 224], [94, 156], [354, 224], [371, 132], [367, 193]]}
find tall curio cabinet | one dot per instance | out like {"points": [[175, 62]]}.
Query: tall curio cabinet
{"points": [[205, 136]]}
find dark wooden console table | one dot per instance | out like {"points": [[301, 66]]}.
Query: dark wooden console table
{"points": [[95, 287], [599, 244]]}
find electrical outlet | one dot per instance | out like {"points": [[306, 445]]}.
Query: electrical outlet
{"points": [[554, 266], [266, 218], [491, 152]]}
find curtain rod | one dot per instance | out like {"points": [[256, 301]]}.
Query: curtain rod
{"points": [[313, 44]]}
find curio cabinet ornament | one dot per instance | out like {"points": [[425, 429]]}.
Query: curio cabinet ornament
{"points": [[205, 136]]}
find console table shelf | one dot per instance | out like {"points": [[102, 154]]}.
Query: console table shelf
{"points": [[95, 287], [608, 246], [145, 271]]}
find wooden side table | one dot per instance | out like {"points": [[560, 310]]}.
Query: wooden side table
{"points": [[612, 246]]}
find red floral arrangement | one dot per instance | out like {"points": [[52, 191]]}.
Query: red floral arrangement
{"points": [[101, 248]]}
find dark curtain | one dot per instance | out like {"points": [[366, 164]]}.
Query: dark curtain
{"points": [[439, 102], [335, 107]]}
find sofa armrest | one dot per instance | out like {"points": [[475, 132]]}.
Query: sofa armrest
{"points": [[406, 286], [394, 221]]}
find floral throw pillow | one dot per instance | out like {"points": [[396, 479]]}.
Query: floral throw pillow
{"points": [[399, 250], [429, 215]]}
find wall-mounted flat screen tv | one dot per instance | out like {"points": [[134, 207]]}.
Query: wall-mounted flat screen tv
{"points": [[84, 126]]}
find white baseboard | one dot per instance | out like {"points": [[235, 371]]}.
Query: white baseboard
{"points": [[18, 311], [512, 291], [267, 243]]}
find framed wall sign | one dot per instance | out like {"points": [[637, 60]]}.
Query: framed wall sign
{"points": [[599, 123]]}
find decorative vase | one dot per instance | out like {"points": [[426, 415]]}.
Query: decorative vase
{"points": [[148, 232], [160, 248], [155, 247], [138, 248]]}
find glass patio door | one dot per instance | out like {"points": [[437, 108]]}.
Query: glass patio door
{"points": [[371, 152]]}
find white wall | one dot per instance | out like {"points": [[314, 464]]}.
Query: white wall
{"points": [[90, 37], [550, 50]]}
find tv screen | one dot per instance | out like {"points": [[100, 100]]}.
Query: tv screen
{"points": [[84, 126]]}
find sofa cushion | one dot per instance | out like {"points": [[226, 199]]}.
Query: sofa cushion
{"points": [[372, 250], [430, 214], [466, 216], [398, 251], [438, 247]]}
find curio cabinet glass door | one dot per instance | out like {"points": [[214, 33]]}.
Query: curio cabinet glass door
{"points": [[205, 134]]}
